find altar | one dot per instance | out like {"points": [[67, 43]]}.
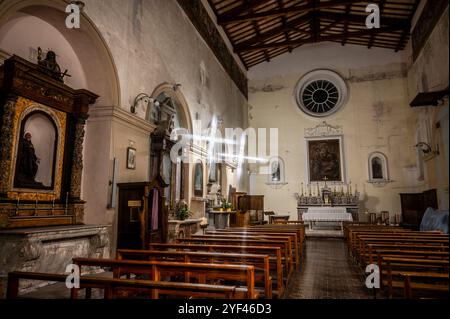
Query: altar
{"points": [[327, 214], [220, 220]]}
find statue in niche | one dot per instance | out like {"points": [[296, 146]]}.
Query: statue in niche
{"points": [[377, 169], [27, 162], [276, 172]]}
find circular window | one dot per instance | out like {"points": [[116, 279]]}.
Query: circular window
{"points": [[321, 93]]}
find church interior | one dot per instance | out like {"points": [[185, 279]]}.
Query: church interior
{"points": [[224, 149]]}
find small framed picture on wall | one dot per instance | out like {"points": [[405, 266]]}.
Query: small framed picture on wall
{"points": [[131, 158]]}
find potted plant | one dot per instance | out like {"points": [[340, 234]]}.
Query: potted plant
{"points": [[183, 212]]}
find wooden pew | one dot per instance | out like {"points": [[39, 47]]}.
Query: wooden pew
{"points": [[361, 241], [392, 267], [260, 262], [274, 253], [297, 242], [292, 243], [373, 252], [111, 286], [275, 228], [156, 270], [440, 284], [286, 255]]}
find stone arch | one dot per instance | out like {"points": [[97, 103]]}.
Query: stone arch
{"points": [[176, 94], [97, 64]]}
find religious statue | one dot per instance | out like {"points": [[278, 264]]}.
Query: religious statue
{"points": [[50, 66], [27, 162], [276, 173], [377, 169]]}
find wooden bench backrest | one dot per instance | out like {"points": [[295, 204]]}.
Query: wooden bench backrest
{"points": [[111, 285], [258, 261], [274, 252], [157, 269]]}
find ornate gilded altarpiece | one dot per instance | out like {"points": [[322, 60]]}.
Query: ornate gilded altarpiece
{"points": [[42, 131]]}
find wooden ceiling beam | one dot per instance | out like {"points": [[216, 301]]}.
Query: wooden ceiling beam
{"points": [[291, 25], [348, 9], [321, 39], [248, 5], [406, 32], [361, 19], [227, 19], [381, 7]]}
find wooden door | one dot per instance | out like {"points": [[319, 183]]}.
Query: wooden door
{"points": [[129, 216]]}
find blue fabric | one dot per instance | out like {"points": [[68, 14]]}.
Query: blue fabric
{"points": [[435, 220]]}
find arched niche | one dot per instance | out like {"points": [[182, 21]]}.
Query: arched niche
{"points": [[179, 101], [198, 179], [29, 24], [378, 169], [276, 172], [170, 113], [37, 151]]}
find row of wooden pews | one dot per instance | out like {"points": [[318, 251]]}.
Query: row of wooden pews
{"points": [[236, 263], [412, 264]]}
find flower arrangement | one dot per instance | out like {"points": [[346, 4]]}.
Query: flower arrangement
{"points": [[183, 212], [226, 206]]}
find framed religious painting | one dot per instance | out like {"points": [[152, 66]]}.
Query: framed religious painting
{"points": [[325, 159], [131, 158]]}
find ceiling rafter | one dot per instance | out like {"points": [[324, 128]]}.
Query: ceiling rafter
{"points": [[325, 38], [260, 30], [227, 19]]}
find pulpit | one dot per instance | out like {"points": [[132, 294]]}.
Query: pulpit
{"points": [[249, 210]]}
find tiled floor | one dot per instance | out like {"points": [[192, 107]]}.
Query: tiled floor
{"points": [[327, 273]]}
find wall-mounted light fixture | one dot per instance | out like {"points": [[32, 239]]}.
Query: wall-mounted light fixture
{"points": [[427, 149], [80, 4]]}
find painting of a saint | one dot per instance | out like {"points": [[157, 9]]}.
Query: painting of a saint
{"points": [[325, 160]]}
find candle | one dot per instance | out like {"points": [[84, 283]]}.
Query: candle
{"points": [[302, 189], [350, 188]]}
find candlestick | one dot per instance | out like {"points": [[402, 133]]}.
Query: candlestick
{"points": [[302, 189]]}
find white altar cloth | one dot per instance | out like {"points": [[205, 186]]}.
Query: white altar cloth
{"points": [[327, 214], [327, 217]]}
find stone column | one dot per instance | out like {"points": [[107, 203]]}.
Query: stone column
{"points": [[77, 160], [6, 145], [76, 207]]}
